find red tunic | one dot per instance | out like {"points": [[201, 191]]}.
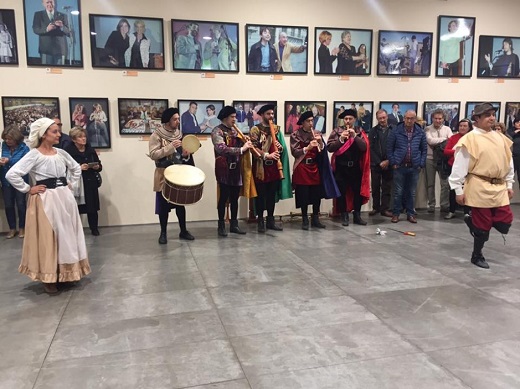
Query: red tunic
{"points": [[307, 174]]}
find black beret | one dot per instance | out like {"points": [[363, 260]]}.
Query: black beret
{"points": [[226, 111], [266, 108], [347, 112], [303, 117], [167, 114]]}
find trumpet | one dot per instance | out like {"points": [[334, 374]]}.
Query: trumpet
{"points": [[245, 138]]}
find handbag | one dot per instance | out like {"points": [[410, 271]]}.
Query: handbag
{"points": [[98, 178]]}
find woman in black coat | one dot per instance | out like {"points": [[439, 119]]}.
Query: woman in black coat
{"points": [[89, 161]]}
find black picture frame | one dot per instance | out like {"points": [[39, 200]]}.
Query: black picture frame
{"points": [[138, 116], [340, 60], [60, 47], [450, 31], [297, 38], [8, 40], [23, 111], [451, 112], [214, 47], [109, 50], [247, 116], [203, 123], [512, 110], [93, 115], [402, 106], [292, 114], [404, 53], [470, 106], [364, 109], [496, 57]]}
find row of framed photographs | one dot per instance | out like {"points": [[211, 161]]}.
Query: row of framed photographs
{"points": [[53, 38], [143, 116]]}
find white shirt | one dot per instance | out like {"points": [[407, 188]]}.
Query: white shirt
{"points": [[436, 136]]}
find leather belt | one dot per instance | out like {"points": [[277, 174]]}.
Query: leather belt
{"points": [[268, 162], [232, 166], [53, 183], [493, 181]]}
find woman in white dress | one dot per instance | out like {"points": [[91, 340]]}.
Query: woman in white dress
{"points": [[54, 248]]}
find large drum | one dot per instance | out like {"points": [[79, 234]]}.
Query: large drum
{"points": [[183, 184]]}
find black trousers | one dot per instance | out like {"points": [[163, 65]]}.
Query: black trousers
{"points": [[92, 218], [381, 182], [349, 177], [231, 194], [266, 198], [516, 162]]}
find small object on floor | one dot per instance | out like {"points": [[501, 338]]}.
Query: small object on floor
{"points": [[380, 232], [408, 233], [186, 235], [480, 261], [50, 288], [450, 215], [95, 232], [21, 234], [11, 234], [431, 210]]}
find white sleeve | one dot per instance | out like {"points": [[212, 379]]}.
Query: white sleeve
{"points": [[510, 178], [20, 169], [74, 170], [459, 170]]}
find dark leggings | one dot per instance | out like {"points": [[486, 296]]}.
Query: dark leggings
{"points": [[266, 198], [231, 193], [181, 215], [92, 220]]}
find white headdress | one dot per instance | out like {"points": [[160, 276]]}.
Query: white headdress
{"points": [[38, 128]]}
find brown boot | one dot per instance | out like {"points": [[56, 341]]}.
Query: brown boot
{"points": [[11, 234], [50, 288], [21, 234]]}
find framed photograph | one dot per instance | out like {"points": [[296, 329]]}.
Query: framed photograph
{"points": [[404, 53], [364, 109], [199, 116], [497, 58], [287, 49], [23, 111], [397, 109], [205, 45], [140, 116], [293, 110], [126, 42], [455, 38], [91, 114], [8, 41], [470, 107], [512, 110], [451, 112], [345, 51], [247, 116], [53, 33]]}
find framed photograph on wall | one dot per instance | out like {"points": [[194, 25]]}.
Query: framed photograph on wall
{"points": [[291, 41], [451, 111], [126, 42], [23, 111], [52, 33], [397, 109], [512, 110], [470, 107], [140, 116], [247, 116], [404, 53], [205, 45], [364, 110], [293, 110], [91, 114], [346, 51], [455, 38], [497, 58], [8, 41], [199, 116]]}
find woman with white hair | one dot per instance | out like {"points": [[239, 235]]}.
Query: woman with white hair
{"points": [[54, 248]]}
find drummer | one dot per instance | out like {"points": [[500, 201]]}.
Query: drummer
{"points": [[229, 149], [166, 149]]}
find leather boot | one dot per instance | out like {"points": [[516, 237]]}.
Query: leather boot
{"points": [[222, 228], [358, 220], [315, 222], [234, 228], [344, 219], [271, 224], [305, 223], [476, 257], [261, 224], [162, 238]]}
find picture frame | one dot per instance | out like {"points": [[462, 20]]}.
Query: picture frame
{"points": [[294, 108], [396, 116], [247, 116], [8, 40], [512, 110], [365, 110], [404, 53], [348, 45], [93, 115], [23, 111], [455, 41], [205, 46], [108, 48], [451, 112], [295, 55], [61, 46], [470, 106], [140, 116], [496, 57], [199, 116]]}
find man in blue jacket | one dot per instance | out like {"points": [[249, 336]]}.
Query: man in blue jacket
{"points": [[406, 151]]}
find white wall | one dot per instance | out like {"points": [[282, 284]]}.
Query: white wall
{"points": [[126, 194]]}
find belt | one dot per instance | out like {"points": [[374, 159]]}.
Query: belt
{"points": [[53, 183], [493, 181], [268, 162], [407, 165], [349, 163], [232, 166], [309, 161]]}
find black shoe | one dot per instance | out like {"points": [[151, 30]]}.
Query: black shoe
{"points": [[479, 260], [162, 238], [235, 229], [469, 223], [261, 224], [344, 219], [305, 223], [315, 222], [358, 220], [186, 235], [222, 228], [271, 224], [95, 232]]}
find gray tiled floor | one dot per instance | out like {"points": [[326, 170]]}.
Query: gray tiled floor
{"points": [[335, 308]]}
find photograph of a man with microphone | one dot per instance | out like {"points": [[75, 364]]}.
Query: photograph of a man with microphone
{"points": [[497, 58]]}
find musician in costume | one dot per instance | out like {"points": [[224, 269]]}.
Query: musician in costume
{"points": [[351, 165], [165, 147], [270, 168], [312, 175], [229, 149]]}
